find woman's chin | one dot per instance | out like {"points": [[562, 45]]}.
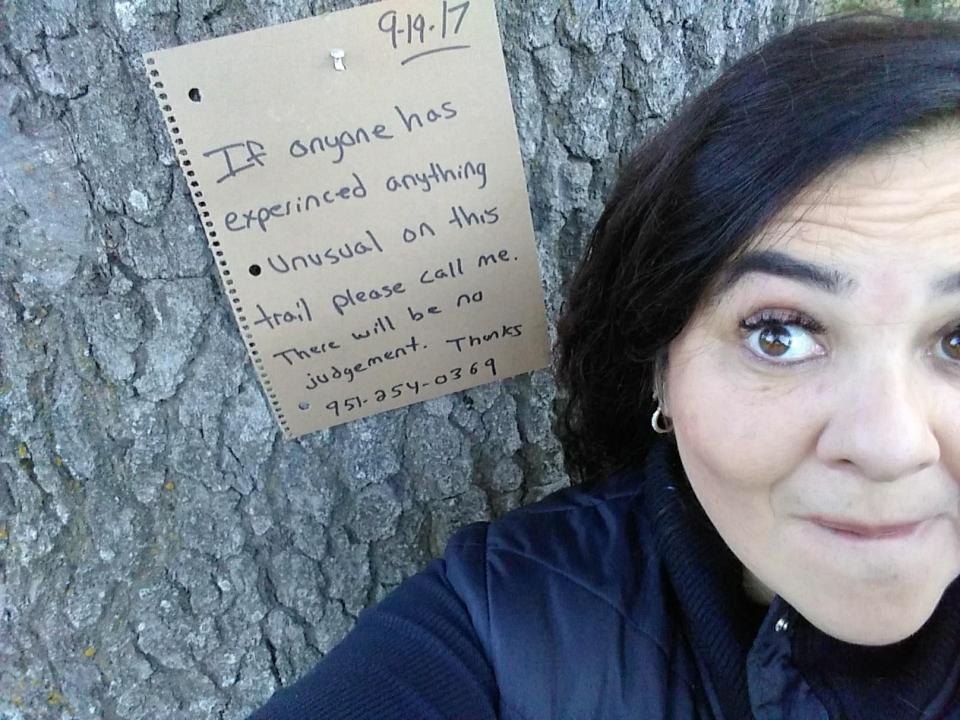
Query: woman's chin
{"points": [[873, 621]]}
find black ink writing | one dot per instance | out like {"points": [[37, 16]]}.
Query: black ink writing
{"points": [[338, 142], [468, 298], [411, 31], [329, 256], [290, 353], [383, 325], [335, 144], [485, 259], [352, 298], [461, 217], [410, 235], [453, 269], [411, 388], [259, 217], [437, 173], [417, 316], [414, 120], [350, 372], [255, 151], [273, 320], [503, 332]]}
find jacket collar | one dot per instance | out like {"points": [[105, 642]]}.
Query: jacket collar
{"points": [[705, 575], [722, 623]]}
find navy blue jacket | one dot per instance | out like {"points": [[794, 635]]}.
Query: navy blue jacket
{"points": [[616, 602]]}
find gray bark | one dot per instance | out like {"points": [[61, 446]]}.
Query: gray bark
{"points": [[163, 552]]}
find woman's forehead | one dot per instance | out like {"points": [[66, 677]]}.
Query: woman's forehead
{"points": [[901, 202]]}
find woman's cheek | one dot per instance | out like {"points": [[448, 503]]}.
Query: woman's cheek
{"points": [[740, 424]]}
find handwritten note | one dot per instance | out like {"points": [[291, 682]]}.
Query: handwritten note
{"points": [[360, 184]]}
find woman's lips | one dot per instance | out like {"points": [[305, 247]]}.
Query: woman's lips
{"points": [[867, 532]]}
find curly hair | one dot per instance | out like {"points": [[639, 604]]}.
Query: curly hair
{"points": [[690, 199]]}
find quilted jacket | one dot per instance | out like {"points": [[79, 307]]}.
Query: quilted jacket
{"points": [[614, 602]]}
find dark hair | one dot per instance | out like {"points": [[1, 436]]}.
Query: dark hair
{"points": [[691, 198]]}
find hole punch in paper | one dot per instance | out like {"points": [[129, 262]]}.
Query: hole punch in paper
{"points": [[360, 184]]}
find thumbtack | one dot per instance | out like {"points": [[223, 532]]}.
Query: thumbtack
{"points": [[337, 55]]}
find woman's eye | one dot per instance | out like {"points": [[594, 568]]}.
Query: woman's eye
{"points": [[787, 338], [951, 345], [783, 341]]}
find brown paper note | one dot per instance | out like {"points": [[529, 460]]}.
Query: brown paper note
{"points": [[371, 223]]}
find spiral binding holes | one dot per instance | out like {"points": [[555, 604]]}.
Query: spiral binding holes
{"points": [[183, 158]]}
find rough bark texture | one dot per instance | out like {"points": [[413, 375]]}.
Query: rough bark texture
{"points": [[163, 552]]}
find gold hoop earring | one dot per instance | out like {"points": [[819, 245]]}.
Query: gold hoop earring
{"points": [[655, 421]]}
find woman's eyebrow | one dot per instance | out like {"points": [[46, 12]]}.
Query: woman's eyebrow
{"points": [[949, 283], [774, 262], [823, 277]]}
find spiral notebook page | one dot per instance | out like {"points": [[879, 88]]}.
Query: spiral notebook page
{"points": [[360, 184]]}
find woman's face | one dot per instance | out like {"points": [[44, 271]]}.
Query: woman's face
{"points": [[825, 381]]}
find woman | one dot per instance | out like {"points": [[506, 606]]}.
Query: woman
{"points": [[779, 269]]}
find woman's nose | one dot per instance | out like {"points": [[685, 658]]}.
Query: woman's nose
{"points": [[882, 420]]}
